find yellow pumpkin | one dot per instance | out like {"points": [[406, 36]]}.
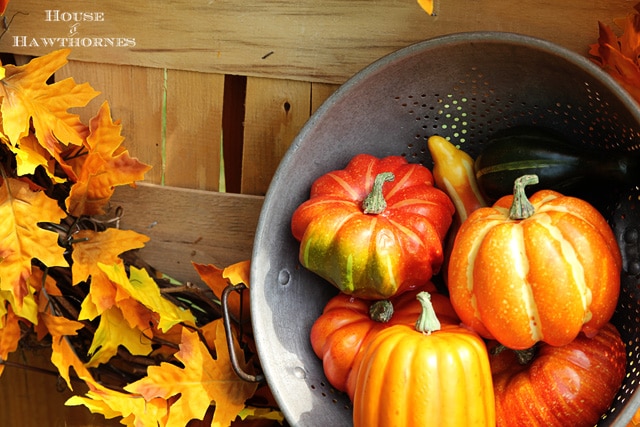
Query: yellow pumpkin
{"points": [[430, 375]]}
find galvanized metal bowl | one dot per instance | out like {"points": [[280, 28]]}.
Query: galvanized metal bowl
{"points": [[463, 86]]}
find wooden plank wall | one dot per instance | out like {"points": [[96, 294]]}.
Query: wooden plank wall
{"points": [[212, 93]]}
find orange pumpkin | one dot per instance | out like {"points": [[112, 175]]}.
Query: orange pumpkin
{"points": [[424, 375], [538, 269], [340, 335]]}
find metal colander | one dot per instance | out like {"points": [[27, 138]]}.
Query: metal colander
{"points": [[465, 87]]}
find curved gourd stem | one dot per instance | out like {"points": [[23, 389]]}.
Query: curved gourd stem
{"points": [[428, 320], [375, 203], [521, 208]]}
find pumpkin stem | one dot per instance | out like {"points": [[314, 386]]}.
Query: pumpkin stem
{"points": [[521, 208], [381, 311], [428, 320], [524, 357], [375, 203]]}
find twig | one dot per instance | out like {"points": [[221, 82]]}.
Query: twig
{"points": [[6, 25]]}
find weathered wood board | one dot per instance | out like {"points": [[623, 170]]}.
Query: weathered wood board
{"points": [[31, 397], [307, 40], [186, 226]]}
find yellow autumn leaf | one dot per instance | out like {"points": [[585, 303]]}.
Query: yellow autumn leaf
{"points": [[134, 409], [426, 5], [112, 332], [21, 239], [144, 289], [94, 247], [28, 100], [201, 381], [30, 154], [261, 413]]}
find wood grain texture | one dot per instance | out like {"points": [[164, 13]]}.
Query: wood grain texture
{"points": [[193, 129], [188, 226], [275, 111], [135, 95], [307, 40], [31, 398]]}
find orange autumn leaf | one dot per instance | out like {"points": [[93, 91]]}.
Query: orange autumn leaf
{"points": [[102, 296], [21, 239], [217, 279], [64, 357], [238, 273], [3, 6], [106, 166], [618, 55], [9, 335], [94, 247], [28, 100], [59, 325], [201, 381]]}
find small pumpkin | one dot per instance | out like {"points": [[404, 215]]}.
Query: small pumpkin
{"points": [[347, 324], [427, 374], [538, 269], [375, 228], [571, 385]]}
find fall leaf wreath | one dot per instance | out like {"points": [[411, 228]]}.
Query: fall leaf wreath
{"points": [[149, 350]]}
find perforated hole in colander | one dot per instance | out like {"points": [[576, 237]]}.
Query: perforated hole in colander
{"points": [[329, 393], [472, 111]]}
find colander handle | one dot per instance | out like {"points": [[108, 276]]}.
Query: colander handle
{"points": [[226, 318]]}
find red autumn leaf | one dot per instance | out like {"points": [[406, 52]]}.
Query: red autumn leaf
{"points": [[618, 55], [3, 6]]}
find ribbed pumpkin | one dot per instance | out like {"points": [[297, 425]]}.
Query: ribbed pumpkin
{"points": [[424, 375], [375, 228], [572, 385], [538, 269], [348, 324]]}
